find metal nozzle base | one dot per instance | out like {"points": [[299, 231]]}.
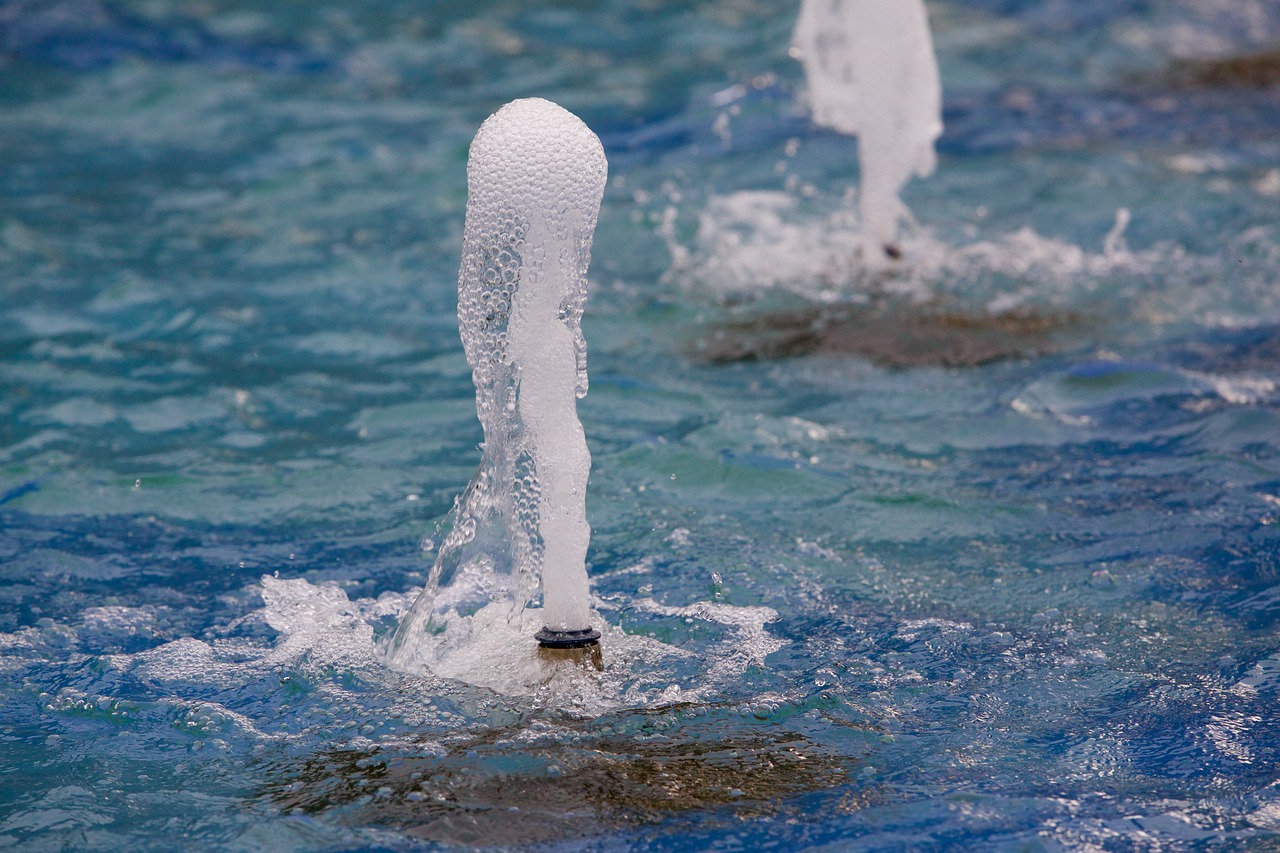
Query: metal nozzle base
{"points": [[549, 639], [579, 647]]}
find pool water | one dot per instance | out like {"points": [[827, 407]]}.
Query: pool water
{"points": [[978, 549]]}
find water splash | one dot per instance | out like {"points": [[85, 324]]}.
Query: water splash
{"points": [[749, 244], [322, 632]]}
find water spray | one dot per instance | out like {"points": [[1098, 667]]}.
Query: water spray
{"points": [[535, 179]]}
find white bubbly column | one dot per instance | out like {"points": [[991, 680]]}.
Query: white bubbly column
{"points": [[872, 73], [535, 178]]}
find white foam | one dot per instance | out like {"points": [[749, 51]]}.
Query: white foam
{"points": [[748, 644], [328, 639], [488, 650], [749, 244]]}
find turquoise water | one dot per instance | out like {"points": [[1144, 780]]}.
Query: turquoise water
{"points": [[980, 550]]}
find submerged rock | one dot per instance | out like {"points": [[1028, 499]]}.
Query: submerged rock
{"points": [[1252, 71], [891, 335], [512, 788]]}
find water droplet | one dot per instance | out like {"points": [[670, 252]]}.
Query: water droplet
{"points": [[1102, 579]]}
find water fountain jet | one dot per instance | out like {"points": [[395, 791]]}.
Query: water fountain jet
{"points": [[872, 73], [535, 179]]}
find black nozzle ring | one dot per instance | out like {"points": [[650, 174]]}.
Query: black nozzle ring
{"points": [[549, 639]]}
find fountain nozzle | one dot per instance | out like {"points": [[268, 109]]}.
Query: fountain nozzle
{"points": [[551, 639], [579, 647]]}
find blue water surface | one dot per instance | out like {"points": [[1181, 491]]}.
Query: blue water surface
{"points": [[1013, 503]]}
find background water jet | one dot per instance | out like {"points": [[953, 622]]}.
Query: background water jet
{"points": [[871, 73]]}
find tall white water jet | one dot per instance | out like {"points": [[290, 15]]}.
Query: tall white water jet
{"points": [[535, 178], [872, 73]]}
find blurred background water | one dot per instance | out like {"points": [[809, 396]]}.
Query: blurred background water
{"points": [[980, 551]]}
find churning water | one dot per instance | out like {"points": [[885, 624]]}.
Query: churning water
{"points": [[976, 548]]}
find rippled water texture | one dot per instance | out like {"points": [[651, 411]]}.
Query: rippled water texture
{"points": [[977, 548]]}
